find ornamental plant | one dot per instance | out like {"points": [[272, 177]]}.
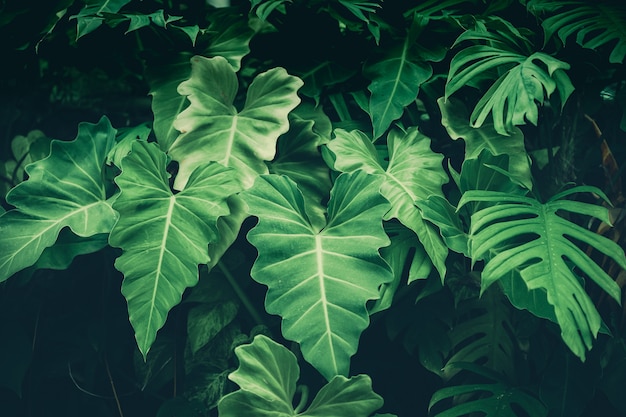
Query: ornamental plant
{"points": [[314, 208]]}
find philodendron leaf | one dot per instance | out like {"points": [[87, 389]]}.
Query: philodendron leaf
{"points": [[320, 280], [267, 377], [66, 189], [213, 130], [455, 118], [414, 173], [396, 79], [164, 236], [538, 241]]}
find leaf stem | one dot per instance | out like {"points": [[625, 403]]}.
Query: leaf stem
{"points": [[304, 398], [243, 297], [117, 400]]}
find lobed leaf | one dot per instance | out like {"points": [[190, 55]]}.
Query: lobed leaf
{"points": [[213, 130], [544, 250], [164, 236], [65, 189], [267, 377], [414, 173], [320, 280]]}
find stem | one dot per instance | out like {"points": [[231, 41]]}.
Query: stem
{"points": [[304, 397], [117, 400], [241, 294]]}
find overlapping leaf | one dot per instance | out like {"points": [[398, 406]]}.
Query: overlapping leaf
{"points": [[66, 189], [526, 81], [213, 130], [538, 241], [267, 377], [164, 236], [396, 79], [455, 118], [91, 16], [414, 173], [320, 280], [594, 24]]}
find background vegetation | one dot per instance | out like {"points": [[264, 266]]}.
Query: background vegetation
{"points": [[312, 207]]}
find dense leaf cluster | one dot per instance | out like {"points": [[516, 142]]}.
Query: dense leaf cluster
{"points": [[310, 185]]}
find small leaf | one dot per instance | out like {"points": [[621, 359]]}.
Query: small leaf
{"points": [[164, 236], [320, 280], [91, 16], [66, 189], [213, 130]]}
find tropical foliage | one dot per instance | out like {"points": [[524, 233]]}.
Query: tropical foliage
{"points": [[406, 208]]}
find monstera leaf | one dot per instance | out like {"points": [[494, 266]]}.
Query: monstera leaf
{"points": [[320, 280], [164, 236], [594, 24], [66, 189], [540, 242], [267, 377], [525, 83], [414, 173], [213, 130], [495, 398]]}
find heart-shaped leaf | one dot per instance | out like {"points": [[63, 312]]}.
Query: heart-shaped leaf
{"points": [[320, 280], [164, 236], [66, 189]]}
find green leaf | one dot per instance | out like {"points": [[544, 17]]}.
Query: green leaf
{"points": [[66, 189], [414, 172], [437, 210], [227, 36], [396, 79], [524, 85], [125, 139], [267, 377], [299, 158], [164, 236], [67, 247], [496, 399], [213, 130], [320, 280], [594, 24], [455, 118], [91, 16], [539, 242], [206, 320]]}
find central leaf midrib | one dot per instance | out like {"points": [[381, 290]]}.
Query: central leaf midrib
{"points": [[319, 252], [166, 227]]}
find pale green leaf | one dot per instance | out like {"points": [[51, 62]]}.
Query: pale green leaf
{"points": [[455, 118], [320, 281], [267, 377], [66, 189], [125, 139], [164, 236], [536, 240], [413, 173], [213, 130]]}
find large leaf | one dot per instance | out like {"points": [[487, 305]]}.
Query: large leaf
{"points": [[594, 24], [66, 189], [413, 174], [267, 377], [213, 130], [396, 79], [525, 83], [541, 243], [320, 280], [164, 236], [455, 118]]}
